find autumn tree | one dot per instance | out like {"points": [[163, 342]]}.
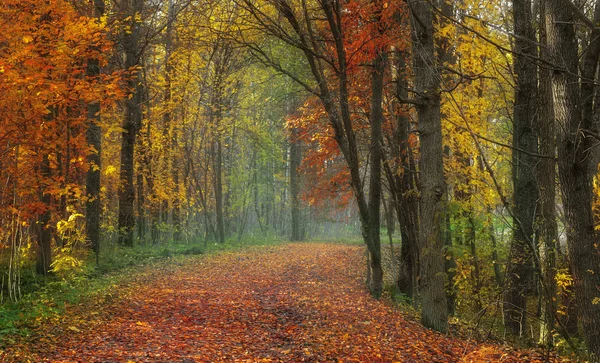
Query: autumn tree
{"points": [[45, 130], [320, 33], [546, 181], [573, 108], [434, 311], [131, 42], [94, 139], [401, 173], [525, 195]]}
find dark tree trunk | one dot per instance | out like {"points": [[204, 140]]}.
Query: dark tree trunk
{"points": [[218, 188], [131, 124], [574, 158], [94, 140], [141, 215], [171, 206], [434, 309], [449, 261], [43, 231], [525, 196], [546, 181], [403, 182], [375, 175], [220, 61], [176, 207]]}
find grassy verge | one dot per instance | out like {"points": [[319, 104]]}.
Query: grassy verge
{"points": [[45, 298]]}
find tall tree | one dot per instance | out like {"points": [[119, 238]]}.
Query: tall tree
{"points": [[434, 310], [546, 181], [376, 120], [327, 48], [575, 161], [170, 128], [525, 196], [401, 173], [94, 140], [132, 9], [43, 225]]}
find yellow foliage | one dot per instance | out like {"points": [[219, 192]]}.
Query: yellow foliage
{"points": [[66, 263]]}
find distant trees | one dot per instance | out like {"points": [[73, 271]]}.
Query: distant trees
{"points": [[331, 42]]}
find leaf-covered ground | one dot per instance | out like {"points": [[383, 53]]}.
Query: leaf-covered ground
{"points": [[290, 303]]}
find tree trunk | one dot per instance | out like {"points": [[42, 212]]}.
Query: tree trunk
{"points": [[94, 140], [375, 175], [170, 130], [546, 181], [141, 201], [525, 196], [176, 207], [218, 187], [44, 233], [434, 309], [131, 125], [449, 261], [403, 182], [574, 170], [295, 160]]}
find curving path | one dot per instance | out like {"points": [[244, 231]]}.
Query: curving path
{"points": [[291, 303]]}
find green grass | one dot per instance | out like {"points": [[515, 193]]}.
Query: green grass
{"points": [[45, 298]]}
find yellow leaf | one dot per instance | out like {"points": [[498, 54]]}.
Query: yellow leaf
{"points": [[27, 39]]}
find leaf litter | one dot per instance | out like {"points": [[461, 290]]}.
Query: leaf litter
{"points": [[301, 302]]}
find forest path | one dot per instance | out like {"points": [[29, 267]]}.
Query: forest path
{"points": [[289, 303]]}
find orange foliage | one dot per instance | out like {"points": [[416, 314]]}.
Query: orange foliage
{"points": [[370, 26], [43, 60]]}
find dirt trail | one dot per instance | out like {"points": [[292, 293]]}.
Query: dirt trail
{"points": [[291, 303]]}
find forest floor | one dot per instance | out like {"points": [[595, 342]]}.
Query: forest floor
{"points": [[303, 302]]}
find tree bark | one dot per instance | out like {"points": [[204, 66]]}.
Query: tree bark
{"points": [[172, 206], [94, 140], [375, 175], [218, 188], [525, 196], [44, 233], [434, 309], [402, 180], [131, 124], [574, 158], [546, 181]]}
